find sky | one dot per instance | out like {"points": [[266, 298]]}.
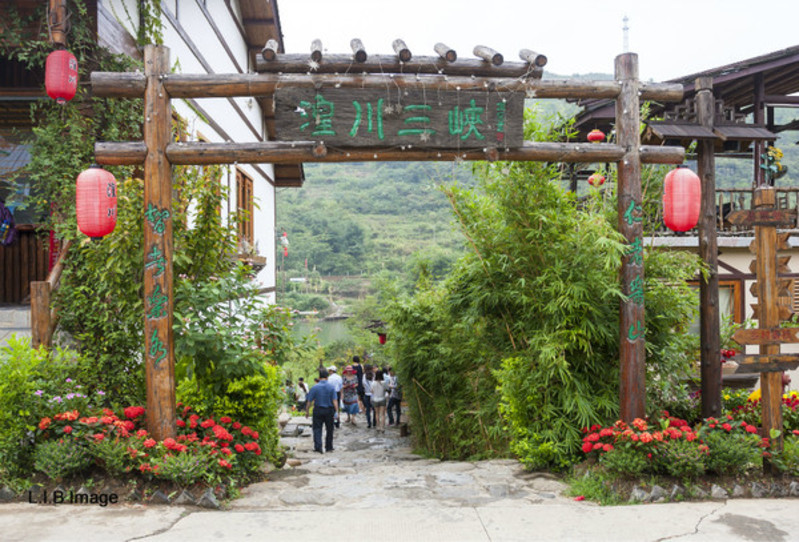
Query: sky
{"points": [[673, 38]]}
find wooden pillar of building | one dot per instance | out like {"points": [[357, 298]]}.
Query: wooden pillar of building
{"points": [[158, 291], [710, 333], [759, 114], [632, 330], [57, 21]]}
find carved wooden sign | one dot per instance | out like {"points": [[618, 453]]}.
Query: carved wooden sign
{"points": [[399, 117], [767, 335], [769, 363], [763, 217]]}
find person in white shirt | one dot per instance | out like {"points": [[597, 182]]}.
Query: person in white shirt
{"points": [[338, 383], [368, 378]]}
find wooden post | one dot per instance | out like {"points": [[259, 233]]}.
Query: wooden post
{"points": [[57, 19], [158, 294], [710, 334], [446, 52], [631, 314], [770, 382], [40, 314], [316, 50]]}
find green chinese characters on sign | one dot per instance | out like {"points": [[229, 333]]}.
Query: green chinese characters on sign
{"points": [[633, 214], [464, 122], [374, 118], [158, 303], [635, 251], [418, 118], [155, 259], [637, 290], [157, 218], [501, 108], [318, 114], [158, 350], [636, 331]]}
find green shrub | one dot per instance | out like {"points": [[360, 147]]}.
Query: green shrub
{"points": [[681, 459], [626, 461], [733, 453], [112, 455], [60, 458], [184, 469]]}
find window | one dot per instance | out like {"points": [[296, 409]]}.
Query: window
{"points": [[730, 302], [244, 206]]}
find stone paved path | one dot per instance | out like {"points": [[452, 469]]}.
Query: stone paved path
{"points": [[371, 470]]}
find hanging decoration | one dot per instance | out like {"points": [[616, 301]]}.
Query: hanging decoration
{"points": [[682, 191], [381, 338], [61, 75], [284, 240], [96, 202], [596, 136], [596, 179]]}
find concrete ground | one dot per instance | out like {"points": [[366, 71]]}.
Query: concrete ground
{"points": [[14, 319], [373, 488]]}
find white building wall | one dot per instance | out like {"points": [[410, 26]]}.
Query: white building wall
{"points": [[206, 54]]}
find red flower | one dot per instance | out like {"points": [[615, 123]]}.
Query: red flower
{"points": [[646, 437], [598, 446], [236, 425], [181, 423], [44, 424], [254, 435], [98, 436], [607, 447], [133, 412], [593, 437], [640, 424], [246, 431], [128, 425], [170, 443], [251, 446], [579, 498], [149, 443], [192, 424], [226, 451], [225, 419], [727, 427], [141, 433], [222, 433], [208, 423], [67, 429], [108, 420], [239, 448], [144, 467], [225, 464], [88, 421], [606, 432]]}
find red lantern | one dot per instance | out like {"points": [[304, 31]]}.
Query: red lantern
{"points": [[381, 337], [96, 202], [61, 75], [682, 192], [596, 136], [285, 251], [597, 179]]}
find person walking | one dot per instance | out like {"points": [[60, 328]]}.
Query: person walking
{"points": [[349, 394], [301, 393], [356, 365], [337, 383], [394, 398], [368, 378], [379, 401], [325, 406]]}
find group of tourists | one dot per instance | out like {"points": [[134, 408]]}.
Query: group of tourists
{"points": [[374, 390]]}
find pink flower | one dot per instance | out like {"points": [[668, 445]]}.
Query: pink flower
{"points": [[141, 433]]}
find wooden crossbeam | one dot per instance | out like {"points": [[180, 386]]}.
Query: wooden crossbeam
{"points": [[198, 153], [131, 85]]}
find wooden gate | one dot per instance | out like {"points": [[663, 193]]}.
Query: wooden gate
{"points": [[23, 261]]}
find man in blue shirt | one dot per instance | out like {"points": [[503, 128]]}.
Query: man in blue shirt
{"points": [[323, 396]]}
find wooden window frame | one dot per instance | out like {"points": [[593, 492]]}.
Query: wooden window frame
{"points": [[245, 207], [736, 285]]}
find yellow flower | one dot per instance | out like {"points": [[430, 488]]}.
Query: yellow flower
{"points": [[755, 395]]}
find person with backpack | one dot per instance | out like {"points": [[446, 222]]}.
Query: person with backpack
{"points": [[394, 398]]}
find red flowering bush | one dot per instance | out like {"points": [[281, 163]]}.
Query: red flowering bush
{"points": [[202, 450]]}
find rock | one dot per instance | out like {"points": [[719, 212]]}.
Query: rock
{"points": [[499, 491], [7, 495], [185, 498], [546, 495], [658, 494], [699, 493], [738, 492], [793, 489], [82, 491], [283, 419], [638, 495], [777, 490], [293, 462], [159, 497], [34, 493], [718, 492], [677, 492], [758, 491], [135, 495], [208, 500]]}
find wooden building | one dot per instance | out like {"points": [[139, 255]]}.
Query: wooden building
{"points": [[204, 37]]}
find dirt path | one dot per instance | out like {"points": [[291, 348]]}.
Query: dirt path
{"points": [[368, 469]]}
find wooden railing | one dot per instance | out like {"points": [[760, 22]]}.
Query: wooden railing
{"points": [[734, 199], [43, 318]]}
